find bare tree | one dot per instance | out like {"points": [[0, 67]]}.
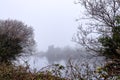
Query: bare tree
{"points": [[16, 38], [99, 34]]}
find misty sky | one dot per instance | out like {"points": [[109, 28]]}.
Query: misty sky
{"points": [[53, 20]]}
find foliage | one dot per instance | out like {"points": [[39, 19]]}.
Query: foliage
{"points": [[112, 68], [101, 35], [111, 44], [15, 38], [75, 70], [12, 72]]}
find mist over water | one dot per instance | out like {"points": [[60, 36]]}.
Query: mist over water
{"points": [[57, 55]]}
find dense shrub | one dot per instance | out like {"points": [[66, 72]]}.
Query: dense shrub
{"points": [[12, 72], [16, 39]]}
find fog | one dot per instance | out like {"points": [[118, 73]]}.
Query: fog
{"points": [[54, 24], [53, 21], [57, 54]]}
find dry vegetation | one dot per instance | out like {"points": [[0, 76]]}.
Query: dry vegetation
{"points": [[12, 72], [73, 71], [17, 38]]}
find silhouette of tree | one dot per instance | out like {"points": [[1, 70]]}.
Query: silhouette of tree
{"points": [[102, 33], [16, 39]]}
